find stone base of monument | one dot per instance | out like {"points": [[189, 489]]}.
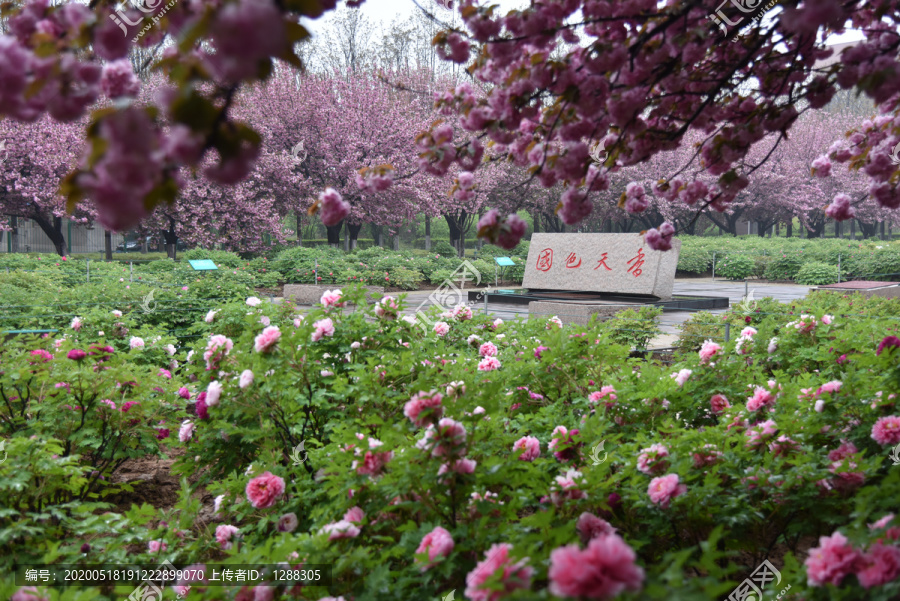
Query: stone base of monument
{"points": [[866, 288], [310, 294], [581, 305]]}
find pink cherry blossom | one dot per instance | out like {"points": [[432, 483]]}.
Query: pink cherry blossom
{"points": [[333, 208]]}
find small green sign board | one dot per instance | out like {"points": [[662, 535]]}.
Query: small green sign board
{"points": [[202, 264], [504, 261]]}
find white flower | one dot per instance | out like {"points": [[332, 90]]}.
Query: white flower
{"points": [[76, 323], [189, 355], [213, 392], [478, 410], [253, 301], [773, 345], [218, 503], [170, 348], [473, 339], [210, 316], [325, 373], [497, 323], [246, 378], [355, 345], [410, 319], [136, 342], [117, 313]]}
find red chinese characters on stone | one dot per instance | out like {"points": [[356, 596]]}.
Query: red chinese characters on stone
{"points": [[570, 261], [545, 260], [635, 269], [603, 263]]}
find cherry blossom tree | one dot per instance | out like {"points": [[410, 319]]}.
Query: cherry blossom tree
{"points": [[560, 76]]}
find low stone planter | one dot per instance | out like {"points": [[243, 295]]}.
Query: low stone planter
{"points": [[310, 294]]}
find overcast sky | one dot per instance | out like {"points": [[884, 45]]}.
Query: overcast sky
{"points": [[386, 11]]}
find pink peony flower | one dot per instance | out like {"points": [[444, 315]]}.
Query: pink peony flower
{"points": [[831, 561], [540, 351], [682, 376], [827, 319], [184, 393], [563, 444], [246, 378], [665, 488], [761, 398], [718, 403], [76, 354], [887, 430], [761, 433], [531, 447], [213, 392], [601, 571], [497, 560], [488, 349], [216, 349], [332, 299], [708, 350], [489, 364], [28, 593], [882, 522], [373, 463], [652, 459], [136, 342], [437, 543], [287, 523], [441, 328], [76, 323], [253, 301], [186, 431], [590, 527], [224, 534], [340, 529], [605, 392], [264, 490], [156, 546], [324, 327], [419, 403], [889, 342], [832, 387], [354, 515], [460, 466], [880, 565], [264, 342]]}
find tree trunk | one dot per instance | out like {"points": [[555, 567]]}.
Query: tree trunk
{"points": [[171, 240], [868, 230], [427, 232], [53, 231], [536, 219], [334, 234], [882, 231], [107, 242], [454, 232], [299, 231], [397, 241], [354, 234], [789, 228], [14, 234]]}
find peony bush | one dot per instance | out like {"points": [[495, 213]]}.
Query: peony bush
{"points": [[501, 460]]}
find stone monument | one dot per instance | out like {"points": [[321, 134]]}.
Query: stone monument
{"points": [[604, 263]]}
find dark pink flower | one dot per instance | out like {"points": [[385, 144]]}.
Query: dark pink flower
{"points": [[601, 571], [831, 561], [437, 543], [889, 342], [590, 527], [497, 561], [264, 490]]}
